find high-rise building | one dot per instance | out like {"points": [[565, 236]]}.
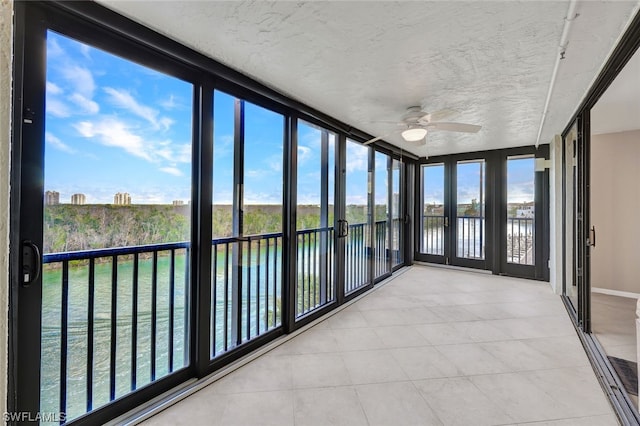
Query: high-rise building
{"points": [[122, 199], [52, 198], [177, 203], [78, 199]]}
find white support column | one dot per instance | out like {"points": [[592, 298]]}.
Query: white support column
{"points": [[555, 215]]}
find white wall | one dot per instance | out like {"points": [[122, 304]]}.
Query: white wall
{"points": [[615, 211], [6, 44]]}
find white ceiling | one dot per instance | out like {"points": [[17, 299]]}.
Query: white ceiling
{"points": [[362, 62]]}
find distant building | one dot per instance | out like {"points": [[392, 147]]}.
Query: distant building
{"points": [[526, 212], [78, 199], [122, 199], [177, 203], [52, 198]]}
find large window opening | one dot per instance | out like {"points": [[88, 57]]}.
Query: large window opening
{"points": [[117, 225], [481, 210], [247, 222], [156, 216], [315, 215]]}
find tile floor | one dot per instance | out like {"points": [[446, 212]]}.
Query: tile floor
{"points": [[432, 346], [613, 321]]}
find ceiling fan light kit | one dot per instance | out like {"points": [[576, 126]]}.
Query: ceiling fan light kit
{"points": [[414, 134], [418, 121]]}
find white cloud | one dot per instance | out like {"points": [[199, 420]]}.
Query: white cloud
{"points": [[85, 50], [275, 163], [53, 89], [223, 146], [57, 143], [81, 78], [112, 132], [169, 103], [53, 48], [304, 153], [357, 158], [57, 108], [123, 99], [171, 170], [183, 153], [87, 105], [176, 154]]}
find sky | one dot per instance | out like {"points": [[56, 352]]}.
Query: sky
{"points": [[116, 126], [520, 181]]}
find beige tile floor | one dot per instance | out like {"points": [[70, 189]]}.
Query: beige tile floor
{"points": [[432, 346], [613, 321]]}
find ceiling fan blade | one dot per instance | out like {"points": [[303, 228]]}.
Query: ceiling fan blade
{"points": [[370, 141], [438, 115], [455, 127]]}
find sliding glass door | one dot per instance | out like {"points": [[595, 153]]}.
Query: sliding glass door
{"points": [[315, 215], [469, 224], [434, 216], [483, 211], [358, 244]]}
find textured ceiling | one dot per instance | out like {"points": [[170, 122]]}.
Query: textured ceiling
{"points": [[365, 62]]}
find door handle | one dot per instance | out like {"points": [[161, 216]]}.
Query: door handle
{"points": [[591, 241], [343, 228], [31, 262], [446, 221]]}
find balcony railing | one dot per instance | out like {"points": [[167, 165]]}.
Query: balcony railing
{"points": [[117, 319], [113, 320], [520, 241], [315, 259], [470, 237], [433, 235], [246, 289], [381, 249], [357, 249]]}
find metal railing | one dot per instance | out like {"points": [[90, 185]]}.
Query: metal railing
{"points": [[315, 277], [381, 249], [433, 235], [520, 241], [357, 249], [117, 319], [470, 237], [246, 289], [113, 320]]}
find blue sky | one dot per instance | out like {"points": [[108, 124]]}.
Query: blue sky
{"points": [[520, 181], [114, 126]]}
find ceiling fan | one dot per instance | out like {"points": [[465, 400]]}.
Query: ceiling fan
{"points": [[416, 124]]}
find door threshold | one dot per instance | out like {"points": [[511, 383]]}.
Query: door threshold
{"points": [[454, 267]]}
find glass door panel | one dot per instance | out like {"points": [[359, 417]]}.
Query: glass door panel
{"points": [[247, 196], [382, 260], [357, 215], [470, 209], [434, 221], [520, 244], [568, 186], [117, 227], [315, 254]]}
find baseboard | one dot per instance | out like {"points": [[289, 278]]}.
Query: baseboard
{"points": [[616, 292]]}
